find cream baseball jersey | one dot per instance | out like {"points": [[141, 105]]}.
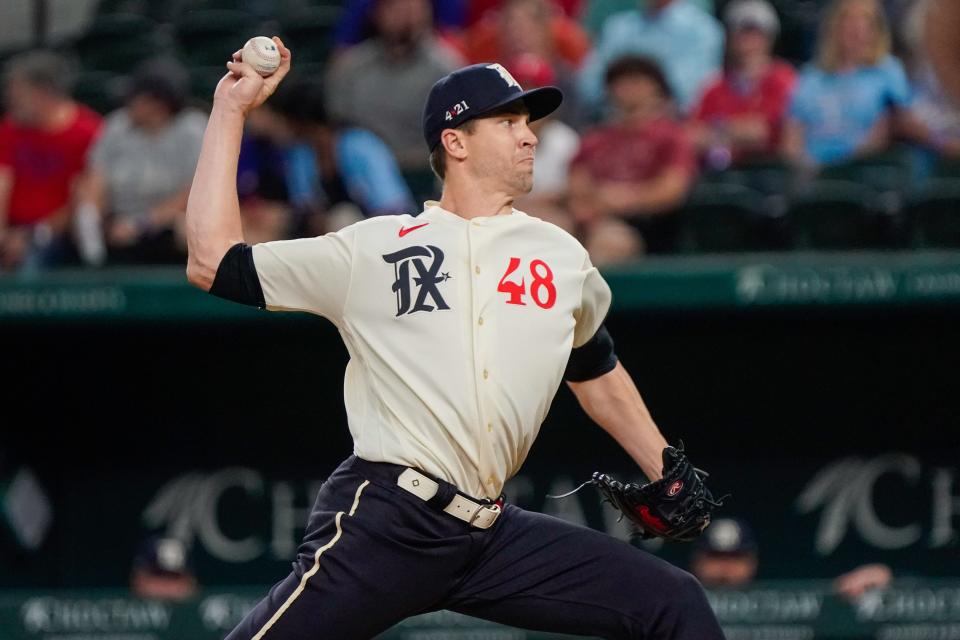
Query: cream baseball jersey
{"points": [[458, 332]]}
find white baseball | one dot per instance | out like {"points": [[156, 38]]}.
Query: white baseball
{"points": [[262, 54]]}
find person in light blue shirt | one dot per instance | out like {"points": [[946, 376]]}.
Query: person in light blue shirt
{"points": [[848, 101], [595, 12], [335, 164], [365, 169], [685, 40]]}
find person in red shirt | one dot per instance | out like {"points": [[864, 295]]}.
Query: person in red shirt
{"points": [[526, 27], [44, 140], [741, 114], [479, 9], [634, 172]]}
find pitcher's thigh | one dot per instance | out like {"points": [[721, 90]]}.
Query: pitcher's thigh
{"points": [[543, 573]]}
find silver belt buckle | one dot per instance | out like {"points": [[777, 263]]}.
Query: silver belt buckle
{"points": [[485, 516]]}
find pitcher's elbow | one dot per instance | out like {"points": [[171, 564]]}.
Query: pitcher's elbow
{"points": [[199, 274]]}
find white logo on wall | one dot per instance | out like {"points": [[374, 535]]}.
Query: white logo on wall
{"points": [[189, 508], [845, 491], [223, 612], [769, 284], [505, 75], [273, 513], [91, 615]]}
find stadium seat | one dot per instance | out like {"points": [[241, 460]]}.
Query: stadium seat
{"points": [[208, 38], [117, 43], [309, 32], [836, 214], [99, 90], [888, 174], [109, 7], [934, 215], [8, 52], [722, 217], [771, 177], [947, 168], [209, 5]]}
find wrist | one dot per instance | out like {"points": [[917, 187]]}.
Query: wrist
{"points": [[226, 108]]}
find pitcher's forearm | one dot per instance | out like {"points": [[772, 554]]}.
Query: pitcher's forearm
{"points": [[614, 403], [213, 209]]}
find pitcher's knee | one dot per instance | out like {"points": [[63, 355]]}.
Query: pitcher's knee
{"points": [[690, 591], [687, 613]]}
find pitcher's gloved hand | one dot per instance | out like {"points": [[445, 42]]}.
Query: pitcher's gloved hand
{"points": [[676, 507]]}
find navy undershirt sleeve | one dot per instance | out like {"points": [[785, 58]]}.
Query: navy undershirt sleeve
{"points": [[592, 359], [237, 279]]}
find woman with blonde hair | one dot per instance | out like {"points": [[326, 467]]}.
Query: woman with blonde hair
{"points": [[847, 99]]}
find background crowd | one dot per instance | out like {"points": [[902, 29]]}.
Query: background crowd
{"points": [[689, 125]]}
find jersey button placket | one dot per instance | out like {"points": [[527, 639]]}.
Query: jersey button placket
{"points": [[481, 328]]}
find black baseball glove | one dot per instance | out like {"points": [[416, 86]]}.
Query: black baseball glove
{"points": [[675, 507]]}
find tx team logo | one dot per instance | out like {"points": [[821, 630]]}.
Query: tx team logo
{"points": [[425, 277], [505, 75]]}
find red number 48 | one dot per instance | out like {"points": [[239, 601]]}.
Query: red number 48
{"points": [[542, 290]]}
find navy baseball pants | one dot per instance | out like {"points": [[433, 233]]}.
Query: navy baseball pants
{"points": [[375, 554]]}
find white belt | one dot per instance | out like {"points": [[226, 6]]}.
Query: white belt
{"points": [[479, 515]]}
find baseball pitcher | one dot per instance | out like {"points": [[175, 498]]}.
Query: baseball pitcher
{"points": [[461, 322]]}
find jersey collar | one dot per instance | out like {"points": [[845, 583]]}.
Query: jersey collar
{"points": [[433, 211]]}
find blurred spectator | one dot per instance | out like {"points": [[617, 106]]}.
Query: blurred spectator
{"points": [[942, 45], [725, 555], [142, 166], [844, 101], [869, 577], [379, 84], [557, 145], [480, 9], [533, 30], [358, 23], [684, 39], [161, 570], [741, 114], [44, 140], [595, 12], [263, 174], [335, 165], [638, 169], [937, 116], [526, 27]]}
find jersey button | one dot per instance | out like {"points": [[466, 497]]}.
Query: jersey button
{"points": [[486, 374], [489, 426], [476, 269], [480, 322]]}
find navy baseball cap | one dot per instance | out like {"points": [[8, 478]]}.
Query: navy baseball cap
{"points": [[476, 90]]}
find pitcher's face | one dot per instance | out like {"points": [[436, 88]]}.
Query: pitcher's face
{"points": [[500, 150]]}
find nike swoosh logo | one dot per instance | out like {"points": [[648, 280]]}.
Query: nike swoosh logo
{"points": [[404, 231]]}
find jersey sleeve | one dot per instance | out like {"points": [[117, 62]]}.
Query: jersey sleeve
{"points": [[309, 274], [594, 304]]}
